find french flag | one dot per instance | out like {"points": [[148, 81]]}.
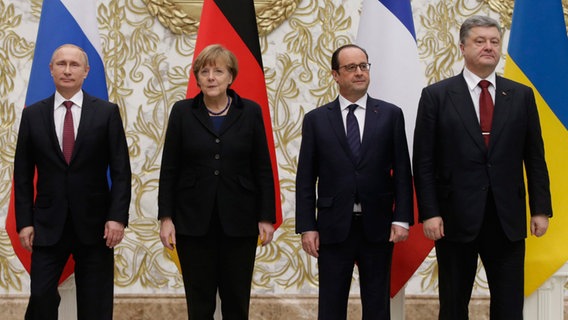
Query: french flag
{"points": [[386, 31], [61, 22]]}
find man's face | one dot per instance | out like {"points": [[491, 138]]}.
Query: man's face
{"points": [[352, 85], [482, 50], [69, 70]]}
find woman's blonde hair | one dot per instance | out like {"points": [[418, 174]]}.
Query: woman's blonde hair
{"points": [[212, 54]]}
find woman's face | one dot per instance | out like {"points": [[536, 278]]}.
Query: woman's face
{"points": [[214, 79]]}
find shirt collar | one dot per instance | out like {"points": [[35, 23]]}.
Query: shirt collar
{"points": [[472, 79], [344, 103], [77, 99]]}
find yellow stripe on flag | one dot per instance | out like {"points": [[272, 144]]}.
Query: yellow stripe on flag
{"points": [[545, 255]]}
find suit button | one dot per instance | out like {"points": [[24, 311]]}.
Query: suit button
{"points": [[216, 172], [484, 188], [489, 165], [217, 157], [217, 140]]}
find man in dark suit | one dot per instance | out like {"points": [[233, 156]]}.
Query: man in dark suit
{"points": [[71, 140], [468, 169], [354, 152]]}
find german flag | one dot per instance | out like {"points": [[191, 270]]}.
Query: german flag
{"points": [[232, 23]]}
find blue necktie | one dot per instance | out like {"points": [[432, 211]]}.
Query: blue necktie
{"points": [[353, 135]]}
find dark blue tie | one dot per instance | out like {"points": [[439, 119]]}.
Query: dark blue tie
{"points": [[353, 135]]}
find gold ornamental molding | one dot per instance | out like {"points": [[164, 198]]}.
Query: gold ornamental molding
{"points": [[182, 16]]}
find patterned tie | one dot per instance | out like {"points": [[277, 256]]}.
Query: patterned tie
{"points": [[68, 132], [353, 135], [485, 110]]}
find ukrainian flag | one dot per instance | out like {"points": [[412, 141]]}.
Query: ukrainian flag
{"points": [[538, 57]]}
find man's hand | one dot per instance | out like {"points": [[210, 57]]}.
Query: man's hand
{"points": [[310, 243], [434, 228], [539, 225], [26, 236], [168, 233], [266, 232], [114, 232], [398, 233]]}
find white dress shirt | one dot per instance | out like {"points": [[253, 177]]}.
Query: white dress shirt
{"points": [[59, 111], [475, 90]]}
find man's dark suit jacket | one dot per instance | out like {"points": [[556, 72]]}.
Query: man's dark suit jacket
{"points": [[203, 168], [454, 170], [381, 177], [81, 188]]}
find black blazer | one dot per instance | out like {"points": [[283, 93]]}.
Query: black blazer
{"points": [[382, 176], [81, 188], [454, 170], [229, 169]]}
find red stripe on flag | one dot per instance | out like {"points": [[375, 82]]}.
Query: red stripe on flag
{"points": [[24, 255], [408, 255], [215, 28]]}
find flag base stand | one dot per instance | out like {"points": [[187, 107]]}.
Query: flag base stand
{"points": [[547, 302], [217, 315], [397, 305], [68, 304]]}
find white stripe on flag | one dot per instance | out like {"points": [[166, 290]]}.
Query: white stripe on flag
{"points": [[396, 73], [87, 22]]}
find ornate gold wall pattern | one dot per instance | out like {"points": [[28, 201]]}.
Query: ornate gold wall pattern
{"points": [[13, 48], [182, 16], [147, 67]]}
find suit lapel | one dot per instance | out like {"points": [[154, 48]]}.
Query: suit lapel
{"points": [[503, 96], [49, 121], [87, 114], [235, 112], [336, 122], [461, 100], [372, 115], [200, 112]]}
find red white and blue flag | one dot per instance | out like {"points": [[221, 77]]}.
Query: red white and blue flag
{"points": [[61, 22], [386, 31]]}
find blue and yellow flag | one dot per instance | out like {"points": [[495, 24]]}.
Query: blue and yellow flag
{"points": [[538, 57]]}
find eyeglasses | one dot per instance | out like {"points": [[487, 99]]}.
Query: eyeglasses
{"points": [[353, 67]]}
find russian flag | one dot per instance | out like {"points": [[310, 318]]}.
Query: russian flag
{"points": [[538, 57], [61, 22], [386, 31]]}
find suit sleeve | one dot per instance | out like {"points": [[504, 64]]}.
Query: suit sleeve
{"points": [[120, 172], [535, 163], [24, 170], [306, 179], [402, 175], [424, 156], [170, 167]]}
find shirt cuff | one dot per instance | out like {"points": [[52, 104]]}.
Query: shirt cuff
{"points": [[405, 225]]}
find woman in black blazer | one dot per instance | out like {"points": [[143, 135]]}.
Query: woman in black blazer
{"points": [[216, 189]]}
